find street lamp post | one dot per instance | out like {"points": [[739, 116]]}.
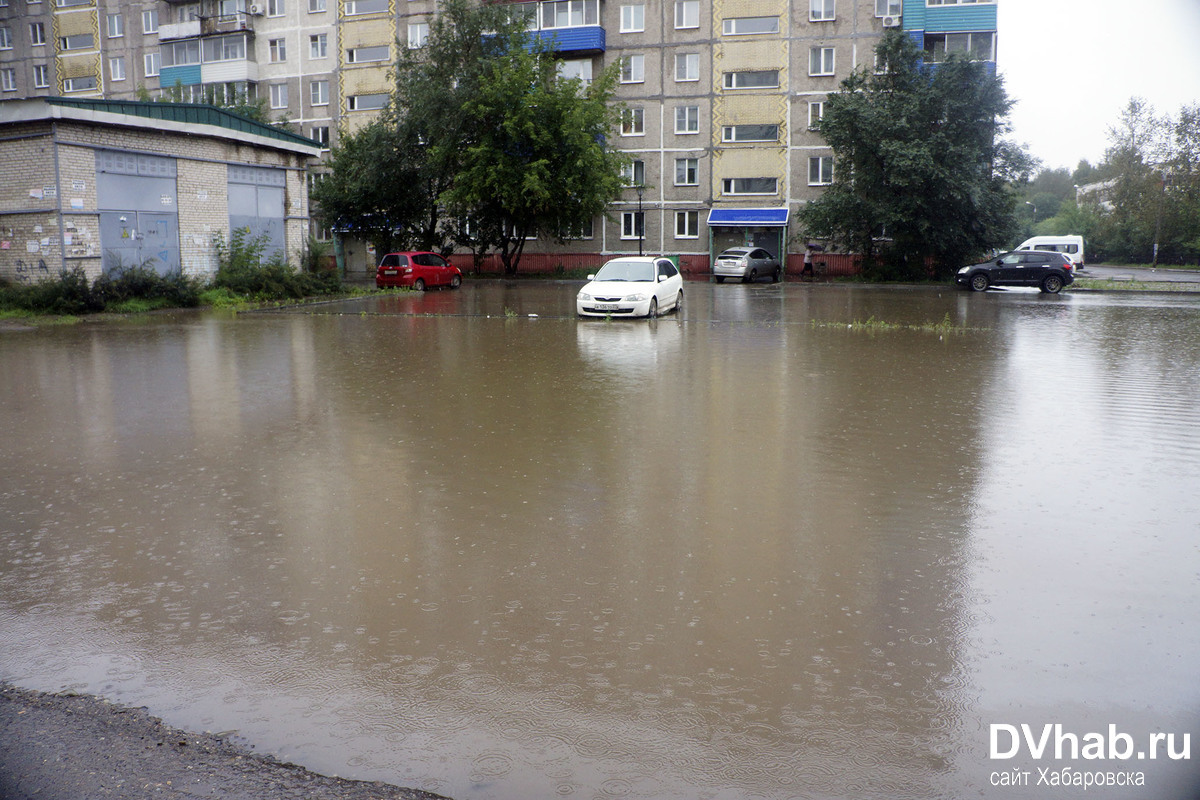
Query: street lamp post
{"points": [[641, 221]]}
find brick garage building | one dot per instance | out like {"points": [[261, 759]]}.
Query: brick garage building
{"points": [[97, 184]]}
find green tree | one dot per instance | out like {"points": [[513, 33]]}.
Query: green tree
{"points": [[919, 159]]}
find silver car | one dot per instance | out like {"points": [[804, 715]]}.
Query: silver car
{"points": [[747, 263]]}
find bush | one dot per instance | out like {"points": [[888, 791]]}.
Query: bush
{"points": [[69, 293], [122, 284], [241, 270]]}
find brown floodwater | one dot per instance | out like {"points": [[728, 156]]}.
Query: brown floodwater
{"points": [[798, 542]]}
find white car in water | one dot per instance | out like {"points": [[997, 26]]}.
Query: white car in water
{"points": [[633, 286]]}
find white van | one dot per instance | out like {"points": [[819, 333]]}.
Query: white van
{"points": [[1071, 245]]}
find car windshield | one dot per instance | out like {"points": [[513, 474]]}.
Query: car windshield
{"points": [[626, 271]]}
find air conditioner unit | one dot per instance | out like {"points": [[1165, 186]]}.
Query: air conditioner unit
{"points": [[891, 21], [255, 10]]}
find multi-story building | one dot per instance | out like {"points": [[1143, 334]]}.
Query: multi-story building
{"points": [[724, 97]]}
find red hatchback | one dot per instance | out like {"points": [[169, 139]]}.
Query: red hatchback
{"points": [[416, 270]]}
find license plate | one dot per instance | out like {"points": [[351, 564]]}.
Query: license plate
{"points": [[607, 306], [390, 272]]}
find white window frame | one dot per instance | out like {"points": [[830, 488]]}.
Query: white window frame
{"points": [[729, 133], [816, 112], [318, 45], [687, 67], [318, 92], [687, 224], [116, 68], [69, 84], [353, 58], [822, 10], [114, 25], [687, 120], [316, 6], [320, 133], [6, 38], [633, 18], [418, 33], [150, 21], [729, 186], [687, 14], [41, 76], [277, 50], [750, 26], [373, 101], [633, 121], [822, 60], [8, 79], [731, 80], [888, 8], [37, 34], [633, 225], [355, 7], [633, 173], [152, 64], [687, 171], [65, 42], [823, 175], [279, 95], [633, 68], [275, 8]]}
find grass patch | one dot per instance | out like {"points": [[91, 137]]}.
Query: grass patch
{"points": [[873, 325], [1113, 284]]}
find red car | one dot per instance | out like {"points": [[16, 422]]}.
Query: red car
{"points": [[416, 270]]}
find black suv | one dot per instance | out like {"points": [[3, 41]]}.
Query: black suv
{"points": [[1045, 269]]}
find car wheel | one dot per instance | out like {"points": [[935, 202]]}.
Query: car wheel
{"points": [[979, 282], [419, 285], [456, 282], [679, 303], [752, 277], [775, 276], [653, 312], [1052, 284], [720, 279]]}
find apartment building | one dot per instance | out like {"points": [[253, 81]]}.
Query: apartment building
{"points": [[724, 97]]}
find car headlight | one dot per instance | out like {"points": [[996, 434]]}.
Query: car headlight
{"points": [[636, 298], [963, 270], [585, 297]]}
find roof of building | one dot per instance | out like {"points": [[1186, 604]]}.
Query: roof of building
{"points": [[193, 118]]}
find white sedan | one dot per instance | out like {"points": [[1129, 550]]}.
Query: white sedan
{"points": [[634, 286]]}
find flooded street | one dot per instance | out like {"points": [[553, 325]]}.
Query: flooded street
{"points": [[799, 541]]}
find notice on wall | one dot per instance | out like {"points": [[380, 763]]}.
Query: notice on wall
{"points": [[49, 191], [32, 246], [79, 186]]}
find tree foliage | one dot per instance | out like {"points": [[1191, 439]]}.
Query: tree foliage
{"points": [[483, 145], [919, 162]]}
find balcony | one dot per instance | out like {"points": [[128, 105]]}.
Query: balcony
{"points": [[179, 30], [582, 40]]}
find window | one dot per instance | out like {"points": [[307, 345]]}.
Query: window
{"points": [[278, 50], [320, 133], [41, 77], [687, 172], [570, 13], [820, 170], [816, 111], [887, 8], [116, 68], [81, 41], [750, 133], [634, 173], [178, 54], [279, 95], [746, 26], [8, 79], [760, 79], [633, 69], [975, 46], [687, 119], [86, 84], [274, 8], [633, 18], [954, 2], [365, 6], [820, 61], [6, 39], [418, 32], [150, 21], [152, 63], [318, 93], [750, 185], [363, 55], [575, 68], [225, 48], [687, 225], [318, 45], [188, 12], [687, 13], [687, 67], [316, 6], [115, 24], [367, 102], [633, 225], [820, 10], [633, 122], [37, 33]]}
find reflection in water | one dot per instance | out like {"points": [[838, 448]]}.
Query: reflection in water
{"points": [[502, 556]]}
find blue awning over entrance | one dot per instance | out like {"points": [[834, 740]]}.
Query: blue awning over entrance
{"points": [[748, 217]]}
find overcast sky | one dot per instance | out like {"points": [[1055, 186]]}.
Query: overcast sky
{"points": [[1072, 65]]}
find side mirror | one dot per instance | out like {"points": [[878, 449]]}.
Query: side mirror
{"points": [[591, 277]]}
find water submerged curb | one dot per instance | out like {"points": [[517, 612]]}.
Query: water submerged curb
{"points": [[68, 747]]}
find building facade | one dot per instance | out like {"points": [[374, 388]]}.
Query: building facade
{"points": [[724, 97]]}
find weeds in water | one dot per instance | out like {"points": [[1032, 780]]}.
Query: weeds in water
{"points": [[872, 325]]}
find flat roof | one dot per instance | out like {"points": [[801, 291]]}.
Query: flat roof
{"points": [[188, 118]]}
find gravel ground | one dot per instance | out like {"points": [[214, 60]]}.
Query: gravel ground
{"points": [[59, 747]]}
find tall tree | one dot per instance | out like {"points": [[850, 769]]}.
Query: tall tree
{"points": [[919, 162]]}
